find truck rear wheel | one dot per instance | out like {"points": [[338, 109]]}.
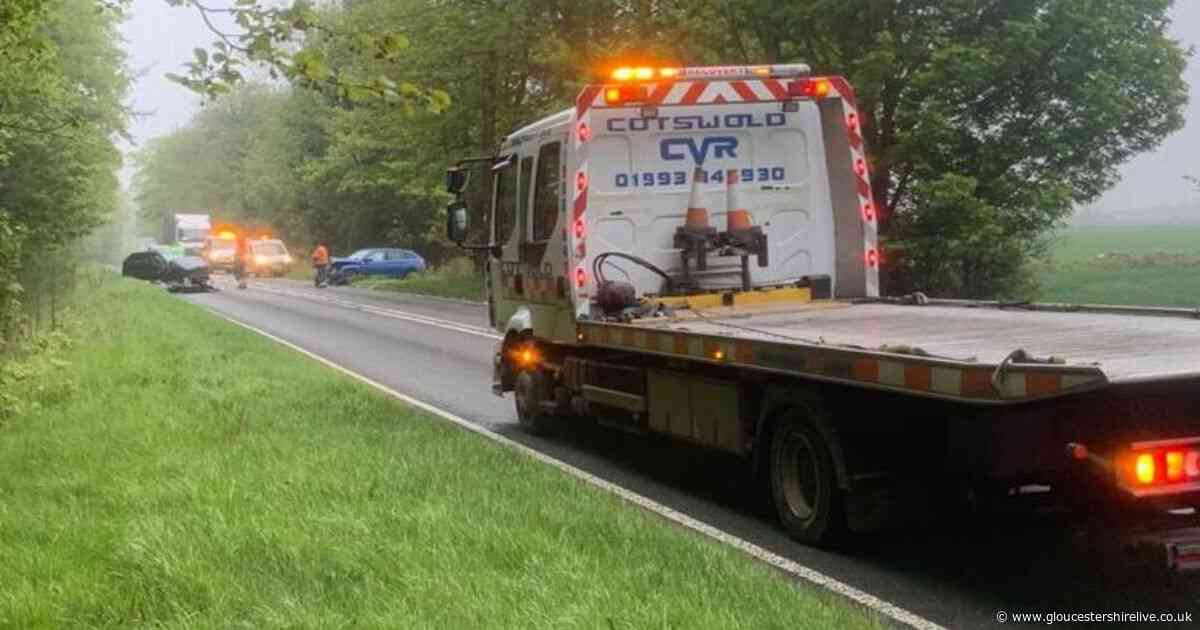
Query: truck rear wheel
{"points": [[803, 482], [529, 391]]}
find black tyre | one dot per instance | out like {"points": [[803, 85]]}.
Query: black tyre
{"points": [[529, 391], [803, 482]]}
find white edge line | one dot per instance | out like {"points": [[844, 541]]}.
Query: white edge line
{"points": [[790, 567], [384, 312], [382, 295]]}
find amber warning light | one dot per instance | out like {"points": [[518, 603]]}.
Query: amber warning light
{"points": [[650, 73], [630, 85]]}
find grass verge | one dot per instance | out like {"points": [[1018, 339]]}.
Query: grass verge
{"points": [[443, 284], [179, 471], [454, 279]]}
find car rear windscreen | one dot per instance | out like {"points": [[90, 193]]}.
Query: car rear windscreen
{"points": [[269, 249]]}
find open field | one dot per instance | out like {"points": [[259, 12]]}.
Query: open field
{"points": [[1125, 265], [170, 469]]}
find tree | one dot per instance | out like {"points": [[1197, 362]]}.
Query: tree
{"points": [[1009, 112], [265, 34], [63, 85], [1027, 106]]}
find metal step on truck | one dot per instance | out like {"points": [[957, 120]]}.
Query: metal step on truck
{"points": [[692, 252]]}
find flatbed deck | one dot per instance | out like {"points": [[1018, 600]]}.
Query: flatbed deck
{"points": [[955, 350], [1125, 347]]}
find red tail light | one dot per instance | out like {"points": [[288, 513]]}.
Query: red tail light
{"points": [[852, 122], [1160, 467], [578, 229], [580, 277]]}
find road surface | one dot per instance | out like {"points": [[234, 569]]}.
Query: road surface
{"points": [[439, 351]]}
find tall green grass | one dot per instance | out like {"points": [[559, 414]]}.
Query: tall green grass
{"points": [[181, 472], [455, 279]]}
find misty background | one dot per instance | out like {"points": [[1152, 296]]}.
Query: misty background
{"points": [[1153, 191]]}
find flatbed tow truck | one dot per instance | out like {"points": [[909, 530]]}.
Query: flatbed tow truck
{"points": [[692, 252]]}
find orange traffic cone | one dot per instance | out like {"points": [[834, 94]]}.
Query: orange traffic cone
{"points": [[697, 214], [737, 218]]}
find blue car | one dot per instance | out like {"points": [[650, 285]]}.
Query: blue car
{"points": [[381, 262]]}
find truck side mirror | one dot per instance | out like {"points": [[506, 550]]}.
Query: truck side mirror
{"points": [[456, 222], [456, 180]]}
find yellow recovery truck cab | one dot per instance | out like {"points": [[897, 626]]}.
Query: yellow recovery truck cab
{"points": [[692, 252]]}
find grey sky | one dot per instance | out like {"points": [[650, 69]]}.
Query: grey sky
{"points": [[161, 38], [1157, 178]]}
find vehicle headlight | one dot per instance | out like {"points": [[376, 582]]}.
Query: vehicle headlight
{"points": [[287, 258], [261, 260]]}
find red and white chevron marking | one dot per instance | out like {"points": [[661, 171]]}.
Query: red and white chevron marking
{"points": [[576, 232], [862, 175]]}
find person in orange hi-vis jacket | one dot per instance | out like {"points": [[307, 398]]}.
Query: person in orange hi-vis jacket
{"points": [[320, 261], [240, 266]]}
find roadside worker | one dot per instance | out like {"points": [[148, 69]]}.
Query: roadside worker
{"points": [[320, 261], [241, 253]]}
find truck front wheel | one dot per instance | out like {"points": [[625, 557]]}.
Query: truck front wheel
{"points": [[803, 482]]}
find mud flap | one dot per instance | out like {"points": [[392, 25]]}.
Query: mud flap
{"points": [[498, 374]]}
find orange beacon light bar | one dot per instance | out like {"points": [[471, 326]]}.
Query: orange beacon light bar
{"points": [[647, 73]]}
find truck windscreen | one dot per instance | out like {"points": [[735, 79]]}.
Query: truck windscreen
{"points": [[268, 249], [192, 234]]}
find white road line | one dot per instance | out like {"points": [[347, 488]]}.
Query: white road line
{"points": [[790, 567], [385, 312]]}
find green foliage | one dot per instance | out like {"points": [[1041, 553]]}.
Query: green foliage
{"points": [[63, 85], [11, 239], [959, 245], [24, 378], [1037, 102], [267, 35], [1030, 105]]}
